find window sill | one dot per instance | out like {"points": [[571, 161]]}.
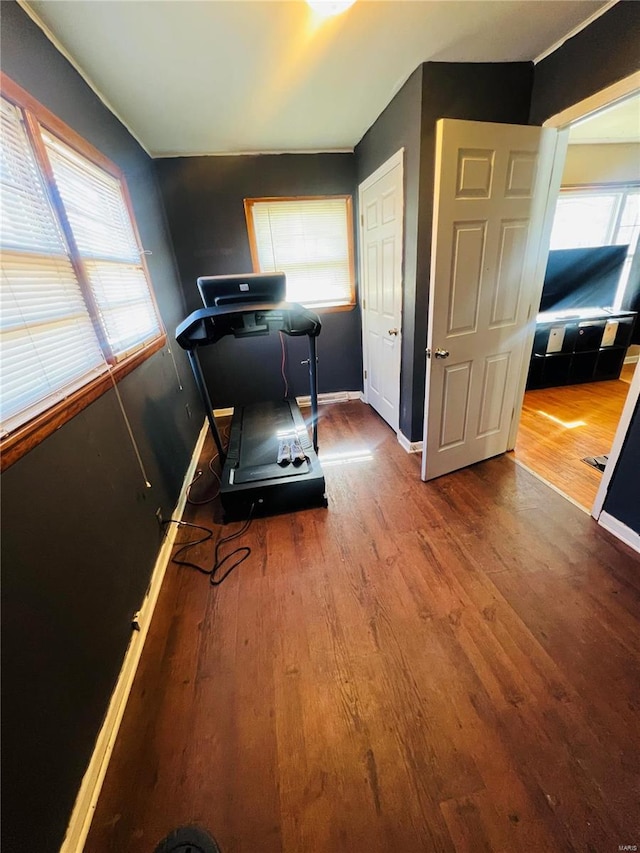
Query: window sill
{"points": [[331, 309], [23, 439]]}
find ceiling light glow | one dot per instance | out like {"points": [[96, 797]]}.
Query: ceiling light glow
{"points": [[328, 8]]}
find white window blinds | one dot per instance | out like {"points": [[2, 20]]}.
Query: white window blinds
{"points": [[48, 347], [74, 299], [310, 241], [106, 242], [599, 217]]}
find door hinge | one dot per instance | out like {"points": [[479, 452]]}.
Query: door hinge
{"points": [[362, 220], [365, 374], [364, 304]]}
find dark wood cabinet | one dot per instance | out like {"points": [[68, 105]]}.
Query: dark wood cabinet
{"points": [[585, 346]]}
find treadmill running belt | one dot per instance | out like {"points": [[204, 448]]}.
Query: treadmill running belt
{"points": [[263, 426]]}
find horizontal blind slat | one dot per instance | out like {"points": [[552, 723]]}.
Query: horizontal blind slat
{"points": [[308, 240], [48, 345], [27, 219], [94, 204]]}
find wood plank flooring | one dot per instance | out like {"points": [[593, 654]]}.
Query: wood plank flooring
{"points": [[560, 426], [452, 666]]}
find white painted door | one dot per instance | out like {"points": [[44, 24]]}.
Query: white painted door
{"points": [[381, 218], [492, 183]]}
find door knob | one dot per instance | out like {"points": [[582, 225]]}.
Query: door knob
{"points": [[393, 331], [441, 353]]}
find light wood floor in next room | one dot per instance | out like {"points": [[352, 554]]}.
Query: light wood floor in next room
{"points": [[560, 426], [451, 666]]}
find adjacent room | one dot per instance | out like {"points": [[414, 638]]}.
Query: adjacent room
{"points": [[292, 554], [568, 428]]}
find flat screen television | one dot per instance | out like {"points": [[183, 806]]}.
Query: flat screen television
{"points": [[218, 290], [582, 278]]}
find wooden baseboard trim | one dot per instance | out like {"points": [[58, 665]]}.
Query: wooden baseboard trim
{"points": [[632, 359], [409, 446], [87, 798], [620, 530], [327, 397], [330, 397]]}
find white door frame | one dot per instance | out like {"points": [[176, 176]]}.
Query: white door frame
{"points": [[394, 161], [562, 121]]}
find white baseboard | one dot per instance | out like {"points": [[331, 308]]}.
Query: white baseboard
{"points": [[87, 799], [620, 530], [409, 446]]}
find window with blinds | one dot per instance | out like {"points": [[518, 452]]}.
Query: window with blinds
{"points": [[75, 300], [311, 241], [603, 216]]}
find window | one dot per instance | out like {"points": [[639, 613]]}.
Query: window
{"points": [[311, 241], [78, 311], [599, 217]]}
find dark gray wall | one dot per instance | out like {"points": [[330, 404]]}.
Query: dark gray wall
{"points": [[602, 54], [79, 534], [398, 126], [497, 92], [204, 200], [623, 497]]}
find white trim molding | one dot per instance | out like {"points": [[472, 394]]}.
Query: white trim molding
{"points": [[409, 446], [87, 798], [574, 32], [620, 530]]}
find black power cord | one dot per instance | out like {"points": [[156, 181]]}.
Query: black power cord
{"points": [[240, 553]]}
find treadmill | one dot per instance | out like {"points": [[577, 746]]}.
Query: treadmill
{"points": [[271, 464]]}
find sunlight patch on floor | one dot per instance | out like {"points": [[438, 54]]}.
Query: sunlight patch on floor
{"points": [[565, 424]]}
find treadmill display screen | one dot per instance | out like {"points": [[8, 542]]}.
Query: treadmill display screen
{"points": [[238, 289]]}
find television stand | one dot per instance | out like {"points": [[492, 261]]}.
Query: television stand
{"points": [[582, 345]]}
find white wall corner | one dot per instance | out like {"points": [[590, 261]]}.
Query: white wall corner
{"points": [[409, 446], [620, 530]]}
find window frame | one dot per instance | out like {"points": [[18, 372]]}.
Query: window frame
{"points": [[327, 308], [28, 435], [620, 189]]}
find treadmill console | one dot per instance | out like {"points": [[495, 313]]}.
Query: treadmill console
{"points": [[266, 288]]}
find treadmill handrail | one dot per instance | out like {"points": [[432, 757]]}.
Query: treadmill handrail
{"points": [[208, 325]]}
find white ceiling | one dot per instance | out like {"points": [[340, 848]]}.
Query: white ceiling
{"points": [[617, 123], [238, 76]]}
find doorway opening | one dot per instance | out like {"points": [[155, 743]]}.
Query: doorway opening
{"points": [[584, 357]]}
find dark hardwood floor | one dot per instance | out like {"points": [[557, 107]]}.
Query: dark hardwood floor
{"points": [[452, 666], [560, 426]]}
